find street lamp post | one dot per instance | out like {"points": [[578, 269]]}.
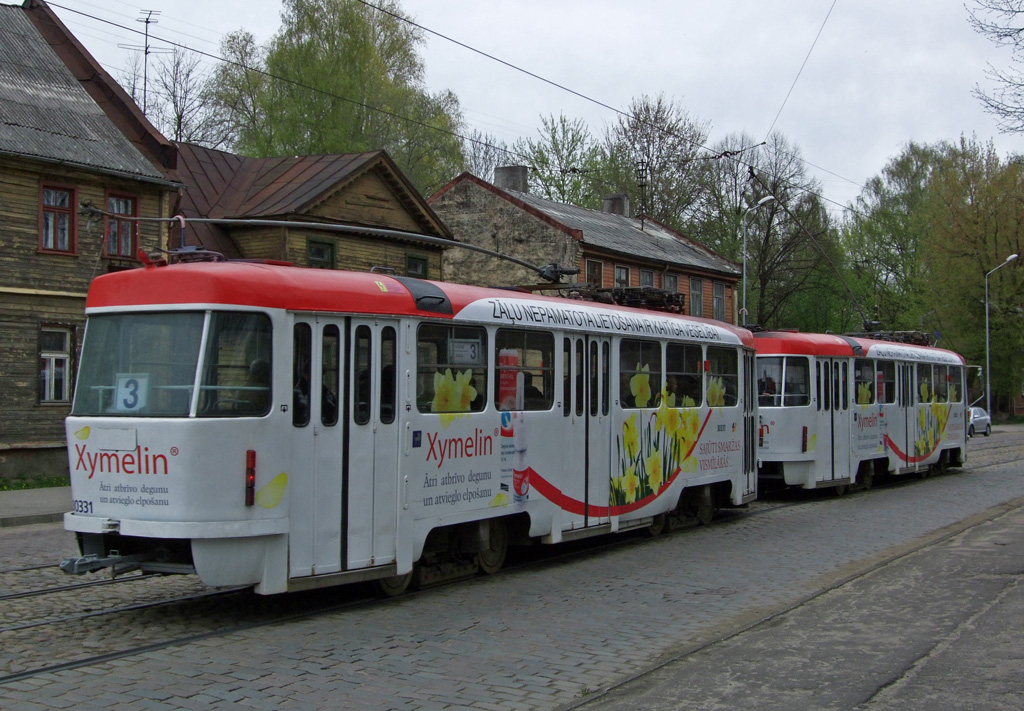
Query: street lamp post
{"points": [[988, 361], [762, 201]]}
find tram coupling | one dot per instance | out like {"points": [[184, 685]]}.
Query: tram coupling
{"points": [[118, 564]]}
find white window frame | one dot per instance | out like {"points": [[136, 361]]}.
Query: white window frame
{"points": [[50, 361], [718, 300], [696, 297], [628, 275], [646, 277]]}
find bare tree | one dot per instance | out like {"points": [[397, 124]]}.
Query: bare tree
{"points": [[484, 153], [1002, 21]]}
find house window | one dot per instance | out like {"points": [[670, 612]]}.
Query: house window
{"points": [[54, 364], [416, 266], [320, 255], [57, 219], [121, 232], [672, 282], [621, 275], [646, 277], [595, 273], [719, 301], [696, 297]]}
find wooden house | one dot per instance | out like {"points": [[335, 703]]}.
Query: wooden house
{"points": [[68, 135], [611, 248], [356, 189]]}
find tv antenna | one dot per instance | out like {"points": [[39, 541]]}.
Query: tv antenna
{"points": [[149, 18]]}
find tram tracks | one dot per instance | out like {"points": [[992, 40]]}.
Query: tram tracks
{"points": [[90, 625]]}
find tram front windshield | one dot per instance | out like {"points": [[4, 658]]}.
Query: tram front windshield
{"points": [[148, 365]]}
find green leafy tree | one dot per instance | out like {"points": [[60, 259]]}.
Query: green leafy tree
{"points": [[340, 76], [974, 222], [883, 233], [563, 161], [653, 155]]}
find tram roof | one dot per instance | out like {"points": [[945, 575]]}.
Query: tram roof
{"points": [[828, 344], [277, 286]]}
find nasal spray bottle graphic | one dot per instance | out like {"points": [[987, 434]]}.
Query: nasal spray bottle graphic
{"points": [[520, 468]]}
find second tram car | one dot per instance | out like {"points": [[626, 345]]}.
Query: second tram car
{"points": [[291, 428], [836, 410]]}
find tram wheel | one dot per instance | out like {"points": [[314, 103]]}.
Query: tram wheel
{"points": [[658, 525], [395, 585], [490, 559], [841, 490]]}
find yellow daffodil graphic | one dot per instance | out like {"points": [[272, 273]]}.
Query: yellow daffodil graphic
{"points": [[631, 437], [924, 390], [82, 433], [655, 474], [630, 484], [452, 394], [640, 385], [716, 392], [863, 394]]}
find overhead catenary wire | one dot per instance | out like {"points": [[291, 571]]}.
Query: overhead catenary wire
{"points": [[728, 155]]}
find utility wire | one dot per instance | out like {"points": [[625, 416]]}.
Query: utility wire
{"points": [[797, 78], [730, 155]]}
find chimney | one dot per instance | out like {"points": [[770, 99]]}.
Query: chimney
{"points": [[617, 204], [512, 177]]}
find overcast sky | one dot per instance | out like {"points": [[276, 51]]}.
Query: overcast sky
{"points": [[882, 72]]}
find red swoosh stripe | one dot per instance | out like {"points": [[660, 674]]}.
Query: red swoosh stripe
{"points": [[574, 506]]}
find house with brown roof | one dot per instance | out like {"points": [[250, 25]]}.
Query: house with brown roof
{"points": [[612, 249], [68, 135], [355, 189]]}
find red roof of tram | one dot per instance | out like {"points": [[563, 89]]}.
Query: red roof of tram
{"points": [[278, 286], [825, 344]]}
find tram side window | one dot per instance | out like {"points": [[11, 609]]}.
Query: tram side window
{"points": [[639, 373], [924, 383], [451, 368], [956, 383], [683, 382], [769, 378], [886, 381], [330, 360], [796, 390], [723, 377], [361, 362], [388, 382], [236, 366], [525, 377], [864, 380], [566, 377], [302, 349], [941, 375]]}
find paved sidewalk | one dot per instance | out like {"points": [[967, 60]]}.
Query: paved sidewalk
{"points": [[26, 506]]}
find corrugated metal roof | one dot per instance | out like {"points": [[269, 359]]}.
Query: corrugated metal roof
{"points": [[46, 114], [623, 235]]}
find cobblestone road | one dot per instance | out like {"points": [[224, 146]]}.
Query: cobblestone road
{"points": [[542, 638]]}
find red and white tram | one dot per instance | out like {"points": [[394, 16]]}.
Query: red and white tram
{"points": [[291, 428], [836, 410]]}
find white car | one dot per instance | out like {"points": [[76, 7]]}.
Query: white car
{"points": [[978, 420]]}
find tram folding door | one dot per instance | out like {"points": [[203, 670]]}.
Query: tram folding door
{"points": [[587, 454], [373, 467], [834, 434], [315, 508]]}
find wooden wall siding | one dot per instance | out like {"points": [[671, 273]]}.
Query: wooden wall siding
{"points": [[478, 216], [44, 288], [360, 254], [22, 419], [367, 201], [23, 266], [261, 242]]}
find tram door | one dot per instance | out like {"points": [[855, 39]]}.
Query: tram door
{"points": [[586, 369], [315, 503], [371, 485], [834, 435]]}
